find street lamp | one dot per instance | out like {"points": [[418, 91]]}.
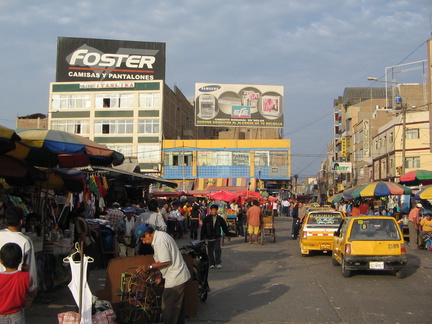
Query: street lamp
{"points": [[404, 112]]}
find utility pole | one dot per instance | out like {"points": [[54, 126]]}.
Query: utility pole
{"points": [[183, 169], [404, 112]]}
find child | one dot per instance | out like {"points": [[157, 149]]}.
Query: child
{"points": [[14, 285]]}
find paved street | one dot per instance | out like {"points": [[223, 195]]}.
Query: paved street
{"points": [[274, 284]]}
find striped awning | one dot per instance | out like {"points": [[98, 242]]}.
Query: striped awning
{"points": [[243, 182], [204, 183]]}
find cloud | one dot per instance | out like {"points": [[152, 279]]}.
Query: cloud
{"points": [[313, 48]]}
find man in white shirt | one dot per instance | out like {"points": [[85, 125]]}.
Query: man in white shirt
{"points": [[152, 218], [286, 207], [169, 261], [14, 220]]}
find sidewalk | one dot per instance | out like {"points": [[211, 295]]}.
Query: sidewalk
{"points": [[49, 304]]}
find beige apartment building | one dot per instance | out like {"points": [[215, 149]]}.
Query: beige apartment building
{"points": [[388, 146], [368, 134]]}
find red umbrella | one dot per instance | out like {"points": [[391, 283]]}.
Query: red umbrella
{"points": [[271, 199], [249, 194], [416, 177], [224, 195]]}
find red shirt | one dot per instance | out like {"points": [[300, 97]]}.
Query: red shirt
{"points": [[364, 208], [13, 289]]}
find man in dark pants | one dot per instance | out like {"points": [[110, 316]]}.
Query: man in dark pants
{"points": [[295, 223], [211, 231], [169, 261]]}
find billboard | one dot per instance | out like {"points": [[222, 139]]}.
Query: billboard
{"points": [[341, 167], [88, 59], [237, 105]]}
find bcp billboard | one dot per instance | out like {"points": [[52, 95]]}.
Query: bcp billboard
{"points": [[238, 105], [89, 59]]}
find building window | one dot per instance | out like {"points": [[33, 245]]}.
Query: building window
{"points": [[222, 158], [261, 158], [126, 150], [278, 158], [412, 133], [111, 126], [383, 168], [204, 158], [80, 127], [391, 139], [115, 100], [412, 162], [149, 100], [361, 173], [149, 153], [71, 101], [148, 126]]}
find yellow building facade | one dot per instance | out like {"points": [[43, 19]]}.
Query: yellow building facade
{"points": [[199, 164]]}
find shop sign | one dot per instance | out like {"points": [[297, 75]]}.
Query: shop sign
{"points": [[341, 167], [88, 59]]}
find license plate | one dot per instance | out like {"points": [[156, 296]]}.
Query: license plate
{"points": [[376, 265], [325, 246]]}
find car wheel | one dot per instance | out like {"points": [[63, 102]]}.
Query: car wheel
{"points": [[401, 274], [345, 273], [334, 261]]}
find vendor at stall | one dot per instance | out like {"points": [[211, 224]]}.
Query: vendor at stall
{"points": [[125, 233]]}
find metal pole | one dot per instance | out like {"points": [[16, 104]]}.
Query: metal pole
{"points": [[404, 112], [183, 169], [386, 90]]}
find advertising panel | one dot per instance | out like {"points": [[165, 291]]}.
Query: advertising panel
{"points": [[237, 105], [88, 59], [341, 167]]}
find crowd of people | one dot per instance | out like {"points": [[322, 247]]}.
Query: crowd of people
{"points": [[151, 227]]}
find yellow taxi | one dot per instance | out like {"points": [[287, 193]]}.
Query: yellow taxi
{"points": [[316, 233], [369, 243]]}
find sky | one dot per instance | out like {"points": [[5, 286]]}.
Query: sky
{"points": [[314, 48]]}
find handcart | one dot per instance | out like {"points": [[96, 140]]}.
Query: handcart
{"points": [[140, 298], [230, 217], [267, 227]]}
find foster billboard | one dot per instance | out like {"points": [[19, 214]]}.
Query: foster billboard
{"points": [[88, 59], [238, 105]]}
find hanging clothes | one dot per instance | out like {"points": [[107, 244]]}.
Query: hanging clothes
{"points": [[102, 190], [74, 286], [102, 204], [105, 182]]}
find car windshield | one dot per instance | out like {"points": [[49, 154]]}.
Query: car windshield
{"points": [[324, 219], [374, 230]]}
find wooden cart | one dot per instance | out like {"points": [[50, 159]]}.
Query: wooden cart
{"points": [[230, 217], [267, 227]]}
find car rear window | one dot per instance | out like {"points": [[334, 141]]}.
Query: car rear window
{"points": [[374, 230], [325, 219]]}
